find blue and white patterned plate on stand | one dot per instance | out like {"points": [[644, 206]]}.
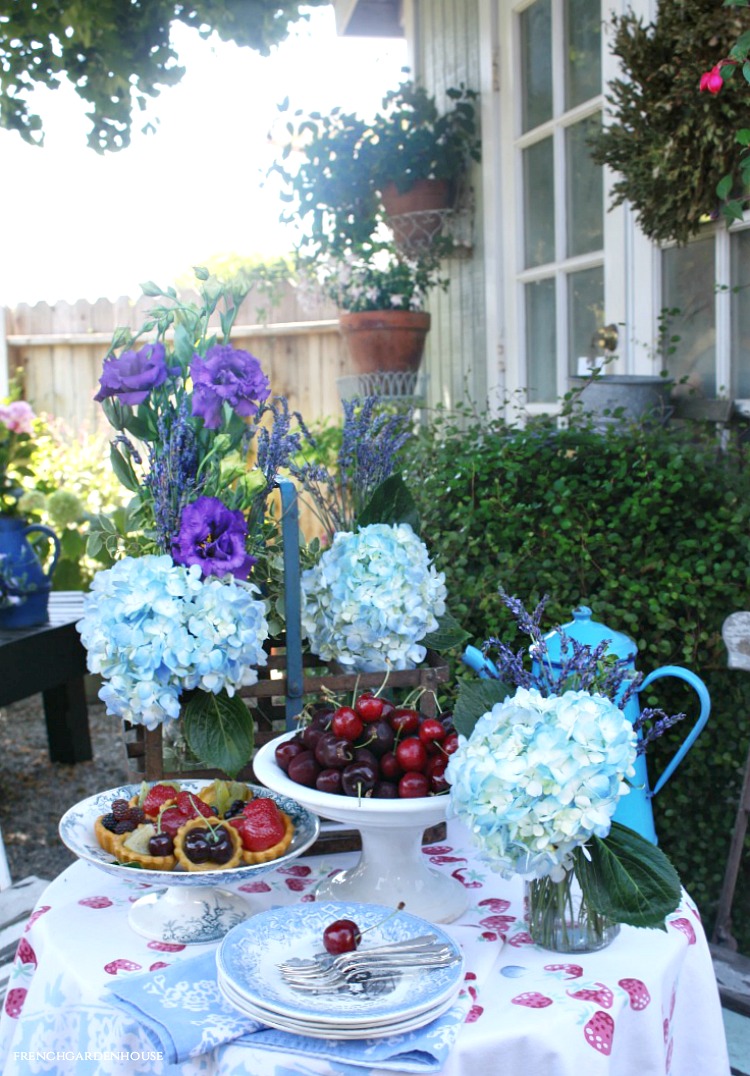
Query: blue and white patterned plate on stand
{"points": [[194, 907], [248, 958]]}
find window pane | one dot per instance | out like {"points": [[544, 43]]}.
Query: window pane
{"points": [[536, 64], [741, 314], [539, 203], [688, 277], [585, 313], [541, 359], [583, 68], [585, 187]]}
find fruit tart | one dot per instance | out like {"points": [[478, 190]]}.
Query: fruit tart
{"points": [[221, 826]]}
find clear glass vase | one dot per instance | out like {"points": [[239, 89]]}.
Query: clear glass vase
{"points": [[561, 920], [176, 755]]}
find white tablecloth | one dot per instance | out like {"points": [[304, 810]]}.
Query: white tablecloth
{"points": [[646, 1005]]}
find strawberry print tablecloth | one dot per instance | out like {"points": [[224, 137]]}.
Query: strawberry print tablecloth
{"points": [[646, 1005]]}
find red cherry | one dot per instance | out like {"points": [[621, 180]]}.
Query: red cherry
{"points": [[431, 731], [369, 707], [404, 720], [286, 751], [413, 785], [341, 936], [411, 754], [450, 743], [390, 769], [347, 724], [435, 773]]}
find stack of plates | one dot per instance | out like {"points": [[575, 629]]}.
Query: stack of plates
{"points": [[248, 976]]}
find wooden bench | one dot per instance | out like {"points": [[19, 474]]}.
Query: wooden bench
{"points": [[51, 659]]}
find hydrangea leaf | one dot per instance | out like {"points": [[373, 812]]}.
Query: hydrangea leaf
{"points": [[628, 878], [476, 697], [391, 503], [220, 731], [447, 635]]}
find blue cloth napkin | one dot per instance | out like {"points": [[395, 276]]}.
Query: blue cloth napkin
{"points": [[187, 1015]]}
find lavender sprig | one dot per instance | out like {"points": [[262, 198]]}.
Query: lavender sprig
{"points": [[659, 723], [173, 475]]}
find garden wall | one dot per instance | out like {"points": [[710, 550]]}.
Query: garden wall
{"points": [[59, 349]]}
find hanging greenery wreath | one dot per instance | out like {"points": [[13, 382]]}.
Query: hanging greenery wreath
{"points": [[671, 144]]}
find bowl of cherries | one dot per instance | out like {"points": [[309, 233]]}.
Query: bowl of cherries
{"points": [[380, 768]]}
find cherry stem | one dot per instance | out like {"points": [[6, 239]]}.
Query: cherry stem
{"points": [[399, 908]]}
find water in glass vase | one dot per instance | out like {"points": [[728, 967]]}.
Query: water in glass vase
{"points": [[561, 920]]}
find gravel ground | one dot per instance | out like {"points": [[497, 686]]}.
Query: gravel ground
{"points": [[35, 792]]}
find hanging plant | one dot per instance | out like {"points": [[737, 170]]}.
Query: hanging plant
{"points": [[671, 144]]}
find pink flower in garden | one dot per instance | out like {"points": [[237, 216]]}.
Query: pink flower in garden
{"points": [[17, 416], [712, 80]]}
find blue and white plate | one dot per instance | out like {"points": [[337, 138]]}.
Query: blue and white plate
{"points": [[77, 832], [249, 955]]}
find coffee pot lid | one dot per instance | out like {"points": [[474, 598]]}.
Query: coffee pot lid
{"points": [[589, 632]]}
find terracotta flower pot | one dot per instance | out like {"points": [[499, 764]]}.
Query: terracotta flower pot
{"points": [[415, 216], [381, 340]]}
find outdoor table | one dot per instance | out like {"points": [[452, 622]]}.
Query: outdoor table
{"points": [[50, 658], [527, 1011]]}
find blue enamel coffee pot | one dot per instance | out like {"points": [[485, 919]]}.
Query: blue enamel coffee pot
{"points": [[633, 810]]}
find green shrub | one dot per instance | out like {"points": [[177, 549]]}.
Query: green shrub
{"points": [[70, 482], [651, 529]]}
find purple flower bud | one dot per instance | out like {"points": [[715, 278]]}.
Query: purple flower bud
{"points": [[213, 536], [133, 374], [230, 375]]}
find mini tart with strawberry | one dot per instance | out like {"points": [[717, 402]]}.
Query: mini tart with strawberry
{"points": [[197, 844], [106, 838], [276, 850], [265, 830]]}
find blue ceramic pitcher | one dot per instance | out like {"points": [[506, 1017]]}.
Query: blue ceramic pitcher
{"points": [[634, 810], [24, 582]]}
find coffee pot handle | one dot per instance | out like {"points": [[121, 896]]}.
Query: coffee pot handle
{"points": [[705, 703], [55, 542]]}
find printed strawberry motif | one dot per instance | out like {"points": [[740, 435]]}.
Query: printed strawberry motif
{"points": [[166, 947], [637, 992], [25, 954], [494, 905], [686, 927], [14, 1000], [437, 850], [572, 971], [499, 923], [665, 1028], [599, 1032], [296, 884], [473, 1014], [256, 887], [95, 902], [668, 1063], [34, 916], [157, 964], [298, 871], [522, 938], [121, 964], [458, 874], [601, 996], [532, 999]]}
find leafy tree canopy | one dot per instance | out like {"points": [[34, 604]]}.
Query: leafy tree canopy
{"points": [[117, 53]]}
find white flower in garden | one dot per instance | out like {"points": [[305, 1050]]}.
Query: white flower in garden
{"points": [[370, 599], [539, 776], [153, 629]]}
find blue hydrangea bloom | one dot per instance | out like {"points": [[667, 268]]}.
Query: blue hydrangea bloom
{"points": [[154, 629], [371, 598], [539, 776]]}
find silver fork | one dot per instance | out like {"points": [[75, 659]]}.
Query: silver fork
{"points": [[322, 962]]}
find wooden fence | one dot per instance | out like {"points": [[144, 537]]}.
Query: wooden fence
{"points": [[58, 351]]}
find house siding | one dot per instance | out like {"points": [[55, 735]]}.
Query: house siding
{"points": [[447, 53]]}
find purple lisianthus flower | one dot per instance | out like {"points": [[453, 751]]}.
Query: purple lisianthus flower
{"points": [[227, 374], [213, 537], [133, 375]]}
